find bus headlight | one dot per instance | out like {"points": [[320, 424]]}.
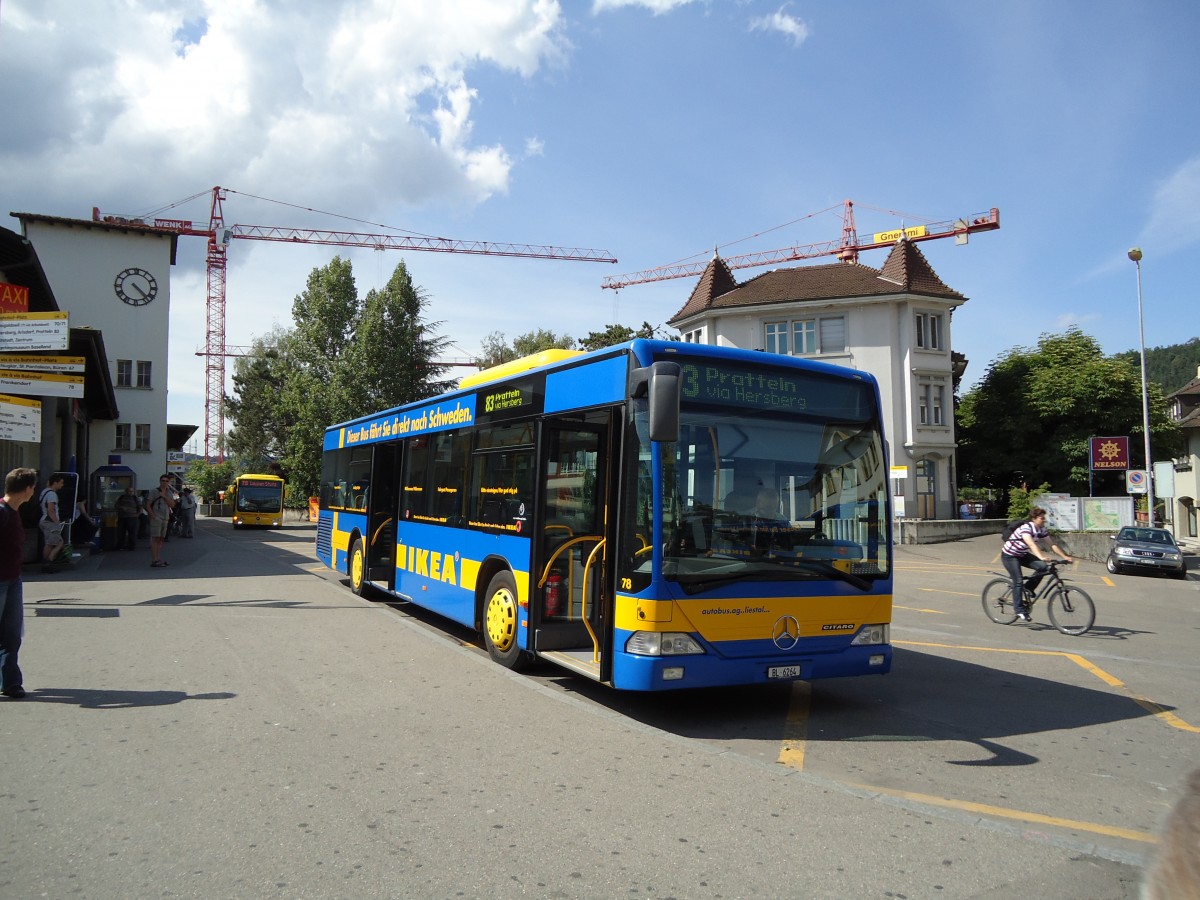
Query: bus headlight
{"points": [[656, 643], [872, 634]]}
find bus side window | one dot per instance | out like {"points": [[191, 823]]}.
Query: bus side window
{"points": [[501, 477]]}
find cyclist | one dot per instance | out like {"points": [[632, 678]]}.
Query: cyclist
{"points": [[1023, 549]]}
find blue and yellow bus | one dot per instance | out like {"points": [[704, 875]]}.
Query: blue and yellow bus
{"points": [[256, 500], [653, 515]]}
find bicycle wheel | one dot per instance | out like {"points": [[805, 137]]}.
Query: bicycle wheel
{"points": [[1071, 610], [997, 601]]}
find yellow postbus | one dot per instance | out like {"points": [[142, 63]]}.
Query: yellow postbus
{"points": [[256, 500]]}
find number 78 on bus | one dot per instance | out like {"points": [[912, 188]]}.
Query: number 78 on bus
{"points": [[654, 515]]}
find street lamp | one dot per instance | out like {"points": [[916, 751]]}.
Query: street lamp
{"points": [[1135, 253]]}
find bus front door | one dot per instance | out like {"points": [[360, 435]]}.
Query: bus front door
{"points": [[570, 578]]}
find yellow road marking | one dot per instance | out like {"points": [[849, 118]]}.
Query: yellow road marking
{"points": [[936, 612], [795, 728], [1020, 816], [794, 746], [1107, 580], [1149, 705]]}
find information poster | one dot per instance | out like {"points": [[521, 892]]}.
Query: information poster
{"points": [[20, 419], [1106, 513]]}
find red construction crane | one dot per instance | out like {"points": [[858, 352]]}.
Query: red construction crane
{"points": [[846, 249], [219, 235]]}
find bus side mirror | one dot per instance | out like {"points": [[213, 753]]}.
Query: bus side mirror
{"points": [[659, 382]]}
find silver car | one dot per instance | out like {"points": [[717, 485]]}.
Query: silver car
{"points": [[1147, 549]]}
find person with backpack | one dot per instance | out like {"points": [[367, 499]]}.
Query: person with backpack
{"points": [[1022, 548], [51, 522]]}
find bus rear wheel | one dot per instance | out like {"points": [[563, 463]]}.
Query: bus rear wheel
{"points": [[500, 614], [358, 569]]}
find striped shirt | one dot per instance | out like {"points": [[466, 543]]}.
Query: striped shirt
{"points": [[1016, 546]]}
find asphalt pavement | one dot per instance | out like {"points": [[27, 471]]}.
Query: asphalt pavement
{"points": [[238, 724]]}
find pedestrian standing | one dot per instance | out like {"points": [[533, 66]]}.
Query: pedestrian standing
{"points": [[158, 506], [18, 488], [187, 513], [128, 513]]}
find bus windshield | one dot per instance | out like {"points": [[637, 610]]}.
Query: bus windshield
{"points": [[775, 476], [254, 495]]}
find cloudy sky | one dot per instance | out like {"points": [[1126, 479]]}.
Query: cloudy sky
{"points": [[653, 129]]}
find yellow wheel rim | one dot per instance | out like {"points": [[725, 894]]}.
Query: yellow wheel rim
{"points": [[356, 568], [502, 619]]}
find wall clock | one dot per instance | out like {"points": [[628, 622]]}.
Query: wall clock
{"points": [[136, 287]]}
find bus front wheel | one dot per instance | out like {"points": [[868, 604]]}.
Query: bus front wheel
{"points": [[358, 569], [500, 615]]}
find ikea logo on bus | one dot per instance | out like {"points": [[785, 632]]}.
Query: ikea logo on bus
{"points": [[428, 563]]}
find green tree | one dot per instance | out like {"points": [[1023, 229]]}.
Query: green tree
{"points": [[496, 349], [317, 391], [615, 334], [209, 479], [395, 344], [344, 357], [1170, 367], [1029, 419], [260, 424], [1021, 499]]}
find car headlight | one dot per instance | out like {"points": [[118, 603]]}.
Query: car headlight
{"points": [[662, 643], [1171, 555], [872, 634], [1124, 551]]}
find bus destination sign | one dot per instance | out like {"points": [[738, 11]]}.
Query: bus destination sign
{"points": [[776, 390], [512, 400], [752, 388]]}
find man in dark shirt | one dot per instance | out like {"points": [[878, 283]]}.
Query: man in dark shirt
{"points": [[18, 488], [128, 512]]}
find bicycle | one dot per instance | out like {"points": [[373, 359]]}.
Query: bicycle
{"points": [[1071, 609]]}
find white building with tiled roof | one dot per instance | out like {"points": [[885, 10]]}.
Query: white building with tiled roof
{"points": [[893, 322]]}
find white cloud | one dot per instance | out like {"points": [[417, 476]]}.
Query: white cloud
{"points": [[1172, 222], [781, 22], [1174, 219], [658, 7], [368, 106], [264, 93]]}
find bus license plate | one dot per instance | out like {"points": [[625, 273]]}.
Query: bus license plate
{"points": [[783, 672]]}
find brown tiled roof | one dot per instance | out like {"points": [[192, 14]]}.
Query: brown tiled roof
{"points": [[907, 266], [715, 280], [1187, 397], [1192, 387], [906, 271]]}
